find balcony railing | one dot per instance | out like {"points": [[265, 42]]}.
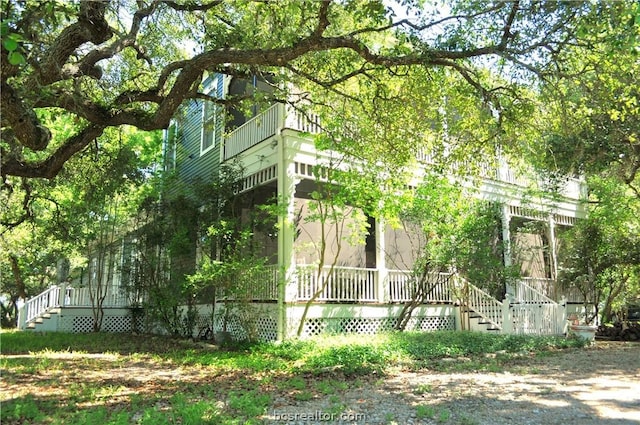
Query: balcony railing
{"points": [[502, 171], [254, 131], [279, 116], [266, 125]]}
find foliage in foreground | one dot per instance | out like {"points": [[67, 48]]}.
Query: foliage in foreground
{"points": [[234, 387], [349, 354]]}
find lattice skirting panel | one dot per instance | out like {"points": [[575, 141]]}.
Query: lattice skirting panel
{"points": [[259, 328], [83, 323], [365, 325]]}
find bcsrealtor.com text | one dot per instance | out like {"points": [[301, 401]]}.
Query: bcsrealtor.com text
{"points": [[318, 416]]}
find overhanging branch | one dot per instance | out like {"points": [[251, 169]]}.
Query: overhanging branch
{"points": [[50, 167]]}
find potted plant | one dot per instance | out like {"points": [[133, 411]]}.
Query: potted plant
{"points": [[581, 330]]}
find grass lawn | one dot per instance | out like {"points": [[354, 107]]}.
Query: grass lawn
{"points": [[102, 378]]}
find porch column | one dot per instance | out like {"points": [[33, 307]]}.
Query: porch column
{"points": [[62, 295], [381, 262], [552, 251], [286, 256], [506, 242], [62, 271], [22, 313]]}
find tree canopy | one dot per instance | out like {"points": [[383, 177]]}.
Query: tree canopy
{"points": [[112, 63], [593, 105], [86, 84]]}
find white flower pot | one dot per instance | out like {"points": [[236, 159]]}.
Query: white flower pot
{"points": [[587, 332]]}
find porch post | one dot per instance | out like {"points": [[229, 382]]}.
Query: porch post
{"points": [[552, 248], [22, 314], [62, 295], [562, 325], [506, 242], [381, 263], [286, 259], [507, 318]]}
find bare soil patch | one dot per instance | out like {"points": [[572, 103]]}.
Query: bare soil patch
{"points": [[596, 385]]}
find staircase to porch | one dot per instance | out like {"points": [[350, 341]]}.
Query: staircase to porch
{"points": [[46, 321], [528, 311], [479, 311], [43, 312]]}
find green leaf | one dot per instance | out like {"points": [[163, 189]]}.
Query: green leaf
{"points": [[10, 44], [16, 58]]}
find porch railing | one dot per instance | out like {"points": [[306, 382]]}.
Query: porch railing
{"points": [[531, 312], [543, 285], [266, 125], [252, 132], [549, 288], [264, 285], [536, 318], [81, 297], [402, 286], [483, 304], [41, 303], [533, 290], [342, 284]]}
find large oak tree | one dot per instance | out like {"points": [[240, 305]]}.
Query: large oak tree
{"points": [[110, 63]]}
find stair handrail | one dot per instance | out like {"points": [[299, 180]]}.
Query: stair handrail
{"points": [[526, 293], [41, 303], [482, 303]]}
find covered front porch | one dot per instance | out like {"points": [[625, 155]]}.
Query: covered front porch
{"points": [[368, 300], [341, 299]]}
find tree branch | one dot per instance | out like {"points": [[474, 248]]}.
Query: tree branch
{"points": [[50, 167], [90, 27]]}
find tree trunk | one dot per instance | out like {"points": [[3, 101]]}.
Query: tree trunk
{"points": [[424, 287], [17, 276]]}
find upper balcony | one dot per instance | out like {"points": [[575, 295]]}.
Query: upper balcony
{"points": [[265, 125], [280, 117]]}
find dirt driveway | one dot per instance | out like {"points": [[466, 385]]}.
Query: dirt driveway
{"points": [[598, 385]]}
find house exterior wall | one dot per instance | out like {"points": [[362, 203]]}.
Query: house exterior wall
{"points": [[183, 150], [273, 145]]}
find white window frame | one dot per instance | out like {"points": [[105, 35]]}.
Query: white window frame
{"points": [[171, 147], [209, 122]]}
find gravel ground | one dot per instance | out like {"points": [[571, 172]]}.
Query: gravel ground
{"points": [[598, 385]]}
